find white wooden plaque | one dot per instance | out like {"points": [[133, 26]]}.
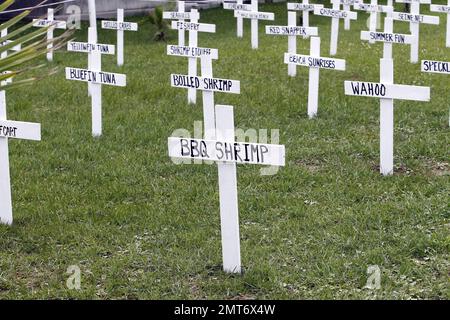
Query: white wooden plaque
{"points": [[97, 77], [222, 151]]}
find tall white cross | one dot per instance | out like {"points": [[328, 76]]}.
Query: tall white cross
{"points": [[415, 19], [387, 91], [11, 130], [292, 31], [335, 14], [374, 9], [227, 172], [443, 9], [254, 16], [120, 26], [238, 5], [227, 153], [305, 7], [315, 62], [193, 27], [95, 76], [54, 24], [431, 66]]}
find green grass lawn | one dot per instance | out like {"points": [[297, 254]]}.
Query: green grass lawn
{"points": [[139, 226]]}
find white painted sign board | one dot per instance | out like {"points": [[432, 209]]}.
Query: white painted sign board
{"points": [[85, 47], [180, 16], [97, 77]]}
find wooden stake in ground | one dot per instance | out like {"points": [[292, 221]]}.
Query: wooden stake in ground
{"points": [[335, 14], [11, 130], [415, 19], [254, 16], [96, 77], [315, 62], [120, 26], [54, 24], [387, 91], [292, 32], [443, 9], [238, 5]]}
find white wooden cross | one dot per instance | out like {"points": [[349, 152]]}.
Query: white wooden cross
{"points": [[335, 14], [292, 31], [388, 37], [315, 62], [387, 91], [16, 48], [95, 76], [227, 172], [227, 153], [443, 9], [346, 6], [431, 66], [254, 15], [415, 19], [374, 9], [193, 27], [305, 7], [120, 26], [11, 130], [181, 15], [55, 24], [238, 5]]}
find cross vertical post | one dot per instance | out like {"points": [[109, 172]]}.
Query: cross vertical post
{"points": [[120, 40], [6, 216], [192, 62], [229, 211]]}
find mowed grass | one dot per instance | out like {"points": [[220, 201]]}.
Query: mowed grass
{"points": [[140, 227]]}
